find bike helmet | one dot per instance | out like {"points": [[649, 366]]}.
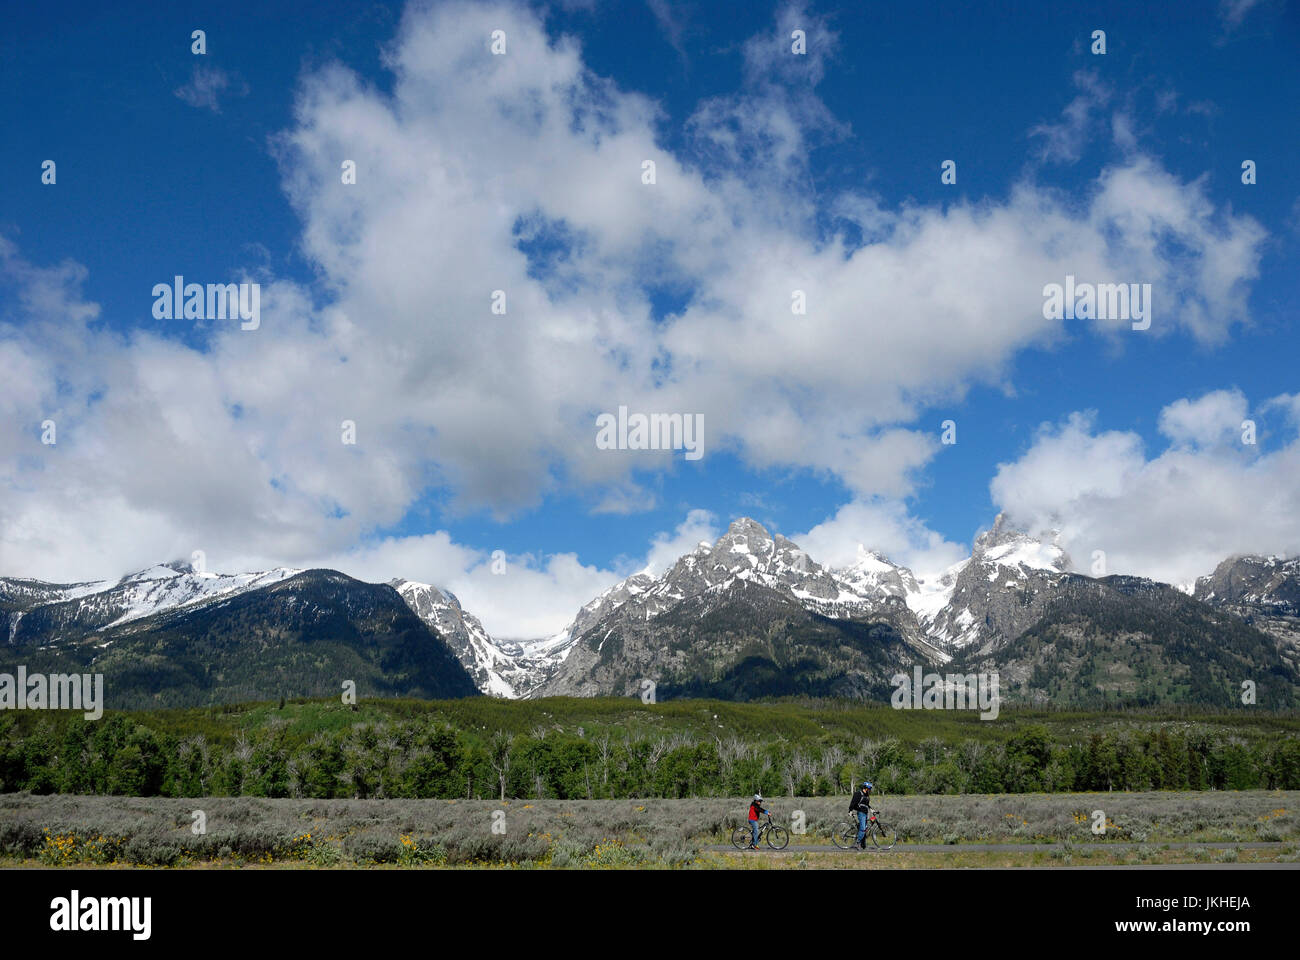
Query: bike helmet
{"points": [[868, 785], [758, 798]]}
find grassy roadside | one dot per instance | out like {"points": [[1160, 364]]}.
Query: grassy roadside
{"points": [[900, 859]]}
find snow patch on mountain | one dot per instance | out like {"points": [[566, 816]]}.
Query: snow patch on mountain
{"points": [[496, 671], [153, 590], [933, 595], [167, 587]]}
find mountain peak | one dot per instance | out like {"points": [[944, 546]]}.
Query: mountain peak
{"points": [[748, 528], [1007, 544], [159, 571], [872, 560], [1268, 581], [1003, 531], [413, 588]]}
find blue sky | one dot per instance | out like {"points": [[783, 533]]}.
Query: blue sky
{"points": [[216, 167]]}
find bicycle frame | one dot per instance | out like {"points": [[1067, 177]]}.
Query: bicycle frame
{"points": [[763, 827]]}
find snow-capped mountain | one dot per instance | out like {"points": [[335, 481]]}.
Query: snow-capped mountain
{"points": [[556, 647], [990, 597], [748, 553], [870, 589], [747, 573], [1272, 582], [978, 604], [753, 616], [256, 637], [1263, 591], [484, 660], [995, 594], [749, 615], [745, 552], [874, 575], [500, 668], [35, 607], [36, 611], [1123, 639]]}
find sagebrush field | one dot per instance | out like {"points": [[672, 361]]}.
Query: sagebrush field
{"points": [[80, 830]]}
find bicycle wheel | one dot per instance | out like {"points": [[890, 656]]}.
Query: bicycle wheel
{"points": [[883, 836], [741, 837], [777, 837], [844, 835]]}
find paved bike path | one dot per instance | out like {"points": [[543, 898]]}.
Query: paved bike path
{"points": [[1016, 847]]}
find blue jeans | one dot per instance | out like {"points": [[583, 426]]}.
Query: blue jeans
{"points": [[862, 825], [753, 826]]}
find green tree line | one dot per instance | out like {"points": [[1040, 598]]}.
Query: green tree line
{"points": [[423, 755]]}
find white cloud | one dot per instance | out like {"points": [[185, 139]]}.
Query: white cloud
{"points": [[770, 54], [235, 448], [886, 527], [208, 85], [1205, 421], [1172, 517], [426, 558], [1063, 141], [535, 596], [1289, 404], [665, 550]]}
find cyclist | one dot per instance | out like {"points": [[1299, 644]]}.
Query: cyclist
{"points": [[756, 810], [861, 805]]}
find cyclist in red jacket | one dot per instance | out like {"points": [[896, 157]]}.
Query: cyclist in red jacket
{"points": [[756, 810]]}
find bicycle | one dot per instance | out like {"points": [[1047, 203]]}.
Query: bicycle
{"points": [[776, 835], [881, 835]]}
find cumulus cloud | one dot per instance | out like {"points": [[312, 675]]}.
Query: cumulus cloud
{"points": [[886, 527], [1172, 516], [517, 596], [523, 173], [1205, 421], [699, 525]]}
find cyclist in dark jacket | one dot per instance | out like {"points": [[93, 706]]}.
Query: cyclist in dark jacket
{"points": [[860, 804], [756, 810]]}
